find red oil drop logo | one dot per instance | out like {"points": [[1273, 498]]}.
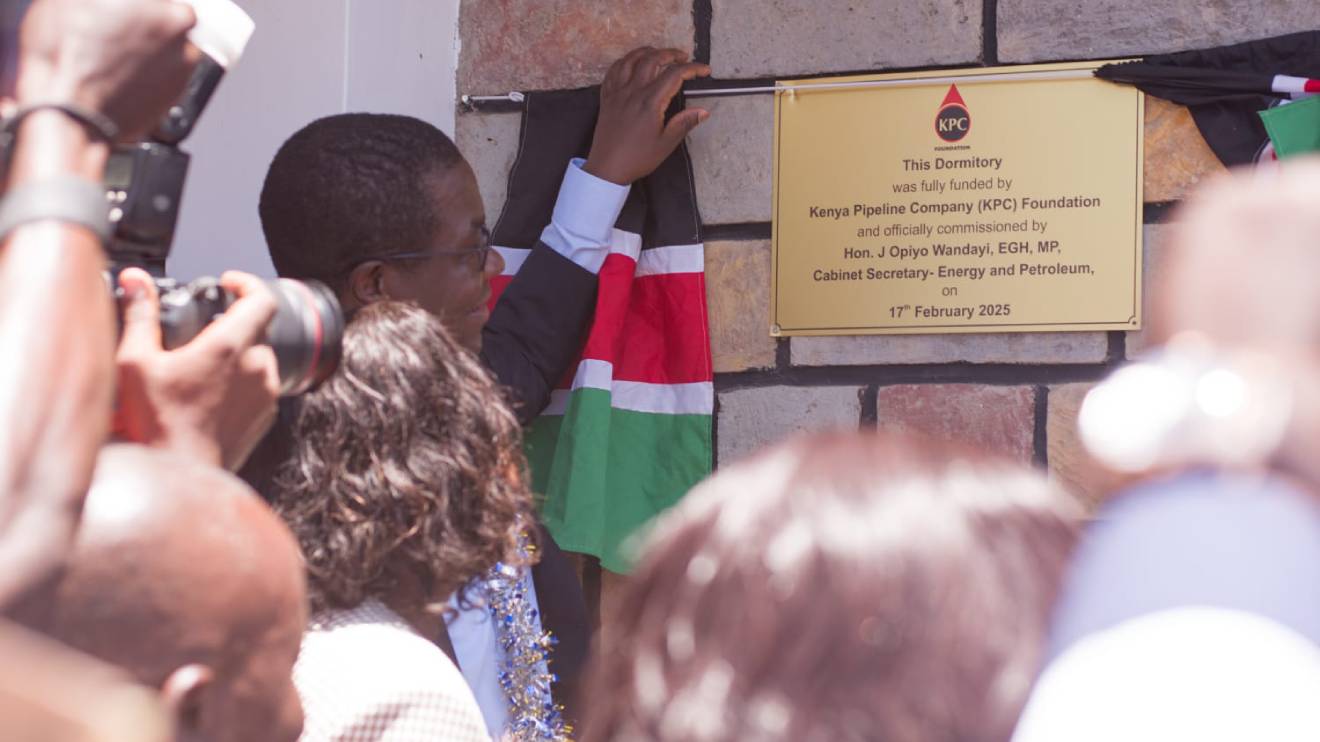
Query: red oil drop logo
{"points": [[953, 120]]}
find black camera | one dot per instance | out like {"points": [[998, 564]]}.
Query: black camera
{"points": [[305, 333], [144, 185]]}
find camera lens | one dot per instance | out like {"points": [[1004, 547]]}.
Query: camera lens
{"points": [[307, 334]]}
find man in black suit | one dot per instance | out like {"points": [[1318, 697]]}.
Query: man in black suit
{"points": [[385, 207]]}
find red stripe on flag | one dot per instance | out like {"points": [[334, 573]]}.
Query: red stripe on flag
{"points": [[653, 329], [497, 286], [664, 338], [614, 287]]}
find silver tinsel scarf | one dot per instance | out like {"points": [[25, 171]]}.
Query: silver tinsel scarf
{"points": [[525, 676]]}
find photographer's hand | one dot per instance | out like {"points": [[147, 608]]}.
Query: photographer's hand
{"points": [[632, 137], [127, 59], [213, 398]]}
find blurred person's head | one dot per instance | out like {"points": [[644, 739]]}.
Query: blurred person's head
{"points": [[842, 587], [1235, 283], [1240, 262], [185, 579], [407, 470], [348, 193]]}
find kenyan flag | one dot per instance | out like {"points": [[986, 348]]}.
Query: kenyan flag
{"points": [[629, 433]]}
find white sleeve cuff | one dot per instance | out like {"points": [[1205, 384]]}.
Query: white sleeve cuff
{"points": [[584, 217]]}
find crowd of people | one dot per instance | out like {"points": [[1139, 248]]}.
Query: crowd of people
{"points": [[187, 556]]}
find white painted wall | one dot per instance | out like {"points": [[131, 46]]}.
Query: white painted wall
{"points": [[308, 58]]}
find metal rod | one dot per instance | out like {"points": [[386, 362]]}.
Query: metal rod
{"points": [[514, 97], [906, 82]]}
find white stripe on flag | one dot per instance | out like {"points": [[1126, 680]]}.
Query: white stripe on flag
{"points": [[635, 396], [593, 374], [664, 399], [659, 261], [1289, 84], [656, 261], [626, 243]]}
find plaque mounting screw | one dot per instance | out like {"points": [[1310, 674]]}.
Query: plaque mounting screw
{"points": [[776, 331]]}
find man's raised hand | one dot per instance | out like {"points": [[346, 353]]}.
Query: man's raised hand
{"points": [[632, 137], [126, 59]]}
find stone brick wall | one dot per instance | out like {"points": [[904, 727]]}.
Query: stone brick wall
{"points": [[1014, 393]]}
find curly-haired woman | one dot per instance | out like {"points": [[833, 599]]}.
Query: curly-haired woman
{"points": [[405, 486]]}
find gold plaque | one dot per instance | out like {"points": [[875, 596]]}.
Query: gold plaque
{"points": [[1002, 199]]}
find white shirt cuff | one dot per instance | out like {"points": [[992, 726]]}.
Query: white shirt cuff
{"points": [[584, 217]]}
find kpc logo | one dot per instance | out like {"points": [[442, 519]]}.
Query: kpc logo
{"points": [[953, 121]]}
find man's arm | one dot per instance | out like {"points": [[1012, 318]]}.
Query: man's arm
{"points": [[541, 320], [56, 380], [125, 59]]}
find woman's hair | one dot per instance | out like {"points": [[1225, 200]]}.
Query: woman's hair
{"points": [[407, 462], [838, 588]]}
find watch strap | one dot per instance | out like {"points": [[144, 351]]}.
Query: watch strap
{"points": [[98, 124], [63, 198]]}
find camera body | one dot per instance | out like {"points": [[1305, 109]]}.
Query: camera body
{"points": [[304, 334], [144, 181], [144, 185], [144, 188]]}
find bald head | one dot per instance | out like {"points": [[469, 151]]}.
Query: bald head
{"points": [[183, 577]]}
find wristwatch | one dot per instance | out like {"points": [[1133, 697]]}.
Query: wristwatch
{"points": [[63, 198]]}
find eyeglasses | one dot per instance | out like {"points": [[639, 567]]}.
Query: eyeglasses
{"points": [[481, 251]]}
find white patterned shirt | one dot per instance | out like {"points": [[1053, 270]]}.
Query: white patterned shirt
{"points": [[364, 675]]}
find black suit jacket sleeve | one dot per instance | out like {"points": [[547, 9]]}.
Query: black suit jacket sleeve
{"points": [[538, 327]]}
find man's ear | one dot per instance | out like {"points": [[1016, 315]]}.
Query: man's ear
{"points": [[366, 283], [184, 694]]}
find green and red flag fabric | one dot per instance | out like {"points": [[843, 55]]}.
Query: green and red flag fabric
{"points": [[628, 432]]}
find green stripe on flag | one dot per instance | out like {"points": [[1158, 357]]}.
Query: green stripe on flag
{"points": [[606, 472], [1294, 128]]}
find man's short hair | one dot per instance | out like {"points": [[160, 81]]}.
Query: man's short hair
{"points": [[349, 187]]}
